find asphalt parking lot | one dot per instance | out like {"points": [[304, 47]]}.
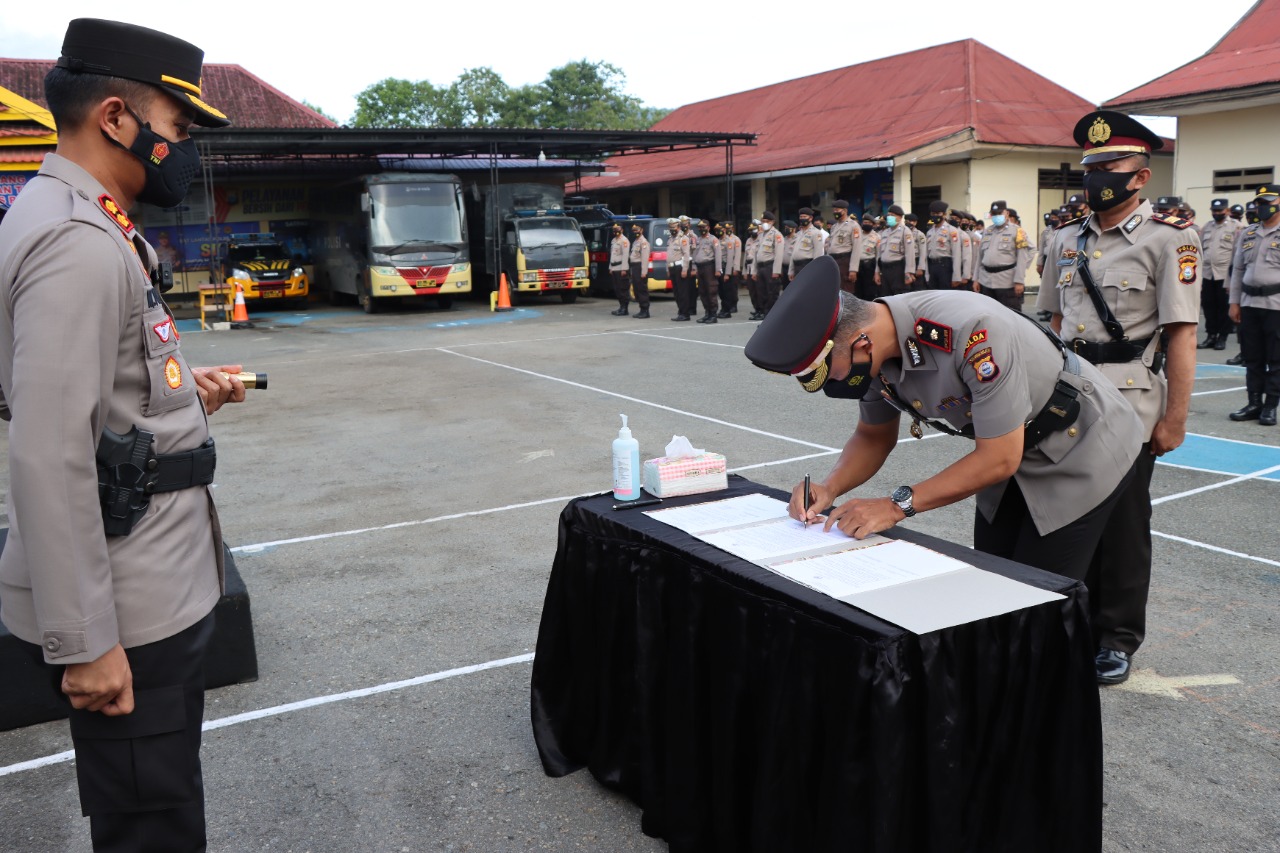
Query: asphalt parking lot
{"points": [[392, 503]]}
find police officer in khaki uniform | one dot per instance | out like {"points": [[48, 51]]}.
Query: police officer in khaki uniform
{"points": [[769, 248], [619, 258], [118, 597], [788, 244], [680, 270], [1218, 238], [920, 271], [749, 261], [731, 250], [709, 262], [1004, 254], [942, 250], [1128, 300], [962, 221], [639, 261], [896, 258], [1054, 442], [866, 287], [809, 244], [845, 244], [1255, 305]]}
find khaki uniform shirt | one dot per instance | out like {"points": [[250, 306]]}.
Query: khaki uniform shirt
{"points": [[1001, 246], [897, 244], [708, 251], [679, 254], [1046, 237], [1149, 275], [788, 246], [846, 239], [966, 255], [919, 237], [87, 343], [731, 249], [749, 255], [870, 246], [640, 253], [943, 242], [769, 250], [809, 244], [1257, 263], [985, 369], [619, 249], [1219, 244]]}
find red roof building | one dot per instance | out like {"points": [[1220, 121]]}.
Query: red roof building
{"points": [[1227, 104], [957, 121]]}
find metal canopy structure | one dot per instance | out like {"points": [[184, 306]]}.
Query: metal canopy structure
{"points": [[502, 143]]}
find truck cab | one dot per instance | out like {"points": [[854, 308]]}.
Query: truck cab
{"points": [[543, 252]]}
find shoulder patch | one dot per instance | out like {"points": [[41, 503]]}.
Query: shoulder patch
{"points": [[117, 215], [933, 334], [1170, 219], [1020, 239], [978, 337], [1188, 249]]}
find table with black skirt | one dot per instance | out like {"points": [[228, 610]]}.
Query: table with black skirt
{"points": [[744, 712]]}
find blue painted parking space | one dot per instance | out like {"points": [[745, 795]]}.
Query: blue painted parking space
{"points": [[1224, 456], [1219, 371]]}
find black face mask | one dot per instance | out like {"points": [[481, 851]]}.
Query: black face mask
{"points": [[170, 166], [1105, 190], [839, 215], [853, 387], [804, 223], [1219, 217], [936, 220]]}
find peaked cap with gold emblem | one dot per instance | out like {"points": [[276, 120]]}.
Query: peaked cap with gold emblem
{"points": [[114, 49], [796, 337], [1108, 135]]}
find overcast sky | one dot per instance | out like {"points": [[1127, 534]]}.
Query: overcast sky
{"points": [[326, 57]]}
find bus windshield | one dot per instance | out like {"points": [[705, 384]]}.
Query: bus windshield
{"points": [[414, 217]]}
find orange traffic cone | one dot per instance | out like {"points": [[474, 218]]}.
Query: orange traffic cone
{"points": [[240, 313], [504, 294]]}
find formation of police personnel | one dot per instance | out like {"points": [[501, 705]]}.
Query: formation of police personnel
{"points": [[1254, 303]]}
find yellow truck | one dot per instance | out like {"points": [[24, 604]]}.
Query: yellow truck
{"points": [[264, 269]]}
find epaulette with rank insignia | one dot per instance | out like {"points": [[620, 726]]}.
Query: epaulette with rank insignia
{"points": [[1071, 222], [1020, 239], [1170, 219], [118, 216]]}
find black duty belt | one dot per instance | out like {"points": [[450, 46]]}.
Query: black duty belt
{"points": [[1062, 409], [841, 254], [1262, 289], [1001, 268], [1109, 352], [129, 473]]}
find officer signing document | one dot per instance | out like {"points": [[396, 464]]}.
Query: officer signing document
{"points": [[114, 587], [1053, 441]]}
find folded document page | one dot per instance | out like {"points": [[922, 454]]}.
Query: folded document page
{"points": [[900, 582]]}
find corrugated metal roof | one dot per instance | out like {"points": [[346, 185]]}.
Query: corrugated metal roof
{"points": [[242, 95], [872, 111], [1248, 55]]}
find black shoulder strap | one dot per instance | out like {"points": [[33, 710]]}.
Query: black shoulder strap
{"points": [[1109, 321]]}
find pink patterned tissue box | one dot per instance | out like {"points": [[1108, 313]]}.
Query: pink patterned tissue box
{"points": [[687, 475]]}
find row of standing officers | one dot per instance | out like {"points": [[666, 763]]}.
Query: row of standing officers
{"points": [[894, 259]]}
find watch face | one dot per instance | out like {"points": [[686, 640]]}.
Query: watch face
{"points": [[900, 494]]}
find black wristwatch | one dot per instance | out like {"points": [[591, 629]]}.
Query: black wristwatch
{"points": [[902, 496]]}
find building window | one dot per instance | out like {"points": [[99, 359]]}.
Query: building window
{"points": [[1235, 180], [1063, 178]]}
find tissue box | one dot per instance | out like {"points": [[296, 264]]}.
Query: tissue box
{"points": [[687, 475]]}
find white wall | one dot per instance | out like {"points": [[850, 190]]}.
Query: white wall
{"points": [[1234, 139]]}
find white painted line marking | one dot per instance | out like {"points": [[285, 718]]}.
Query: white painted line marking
{"points": [[644, 402], [1150, 682], [250, 716], [1219, 391], [537, 454], [684, 340], [1209, 547], [1240, 479]]}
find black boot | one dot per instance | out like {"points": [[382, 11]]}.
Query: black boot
{"points": [[1236, 359], [1208, 342], [1252, 410], [1220, 343], [621, 312], [1267, 417], [642, 314]]}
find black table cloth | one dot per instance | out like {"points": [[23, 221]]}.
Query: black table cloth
{"points": [[744, 712]]}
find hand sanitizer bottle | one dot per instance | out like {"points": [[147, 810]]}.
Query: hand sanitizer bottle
{"points": [[626, 464]]}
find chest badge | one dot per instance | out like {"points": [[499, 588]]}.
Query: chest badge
{"points": [[173, 373], [164, 331]]}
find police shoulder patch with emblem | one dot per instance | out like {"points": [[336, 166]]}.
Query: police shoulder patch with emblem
{"points": [[933, 334], [978, 337], [1188, 249], [1187, 269]]}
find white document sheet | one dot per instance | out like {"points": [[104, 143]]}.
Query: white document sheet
{"points": [[848, 572], [719, 515], [784, 538]]}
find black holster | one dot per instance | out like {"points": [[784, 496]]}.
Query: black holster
{"points": [[129, 473]]}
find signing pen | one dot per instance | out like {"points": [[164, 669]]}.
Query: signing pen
{"points": [[806, 500]]}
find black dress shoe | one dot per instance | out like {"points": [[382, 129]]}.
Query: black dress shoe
{"points": [[1207, 342], [705, 318], [642, 314], [1112, 666], [725, 315], [1266, 417], [1238, 358], [621, 312], [680, 318], [1251, 411], [1221, 343]]}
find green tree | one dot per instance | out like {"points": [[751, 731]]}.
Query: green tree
{"points": [[589, 95], [478, 98], [399, 103], [318, 111]]}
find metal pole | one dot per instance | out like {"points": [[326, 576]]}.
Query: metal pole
{"points": [[728, 178], [496, 256]]}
